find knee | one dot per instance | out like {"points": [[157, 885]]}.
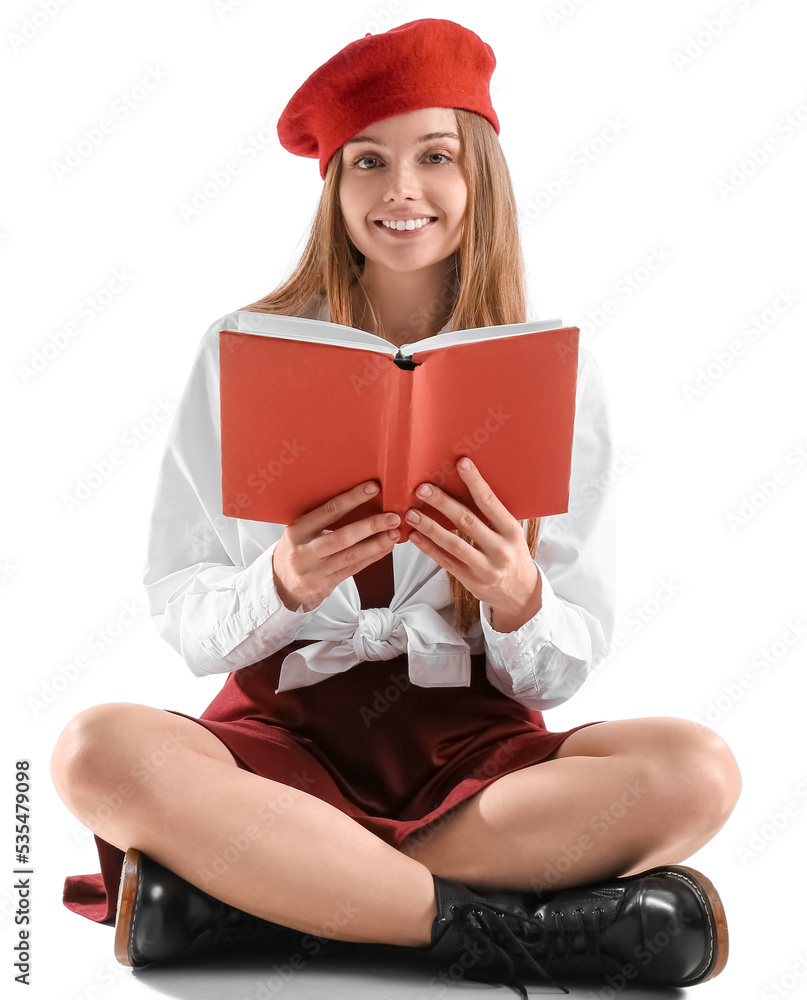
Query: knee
{"points": [[701, 769], [85, 752]]}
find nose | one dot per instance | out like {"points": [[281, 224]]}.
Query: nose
{"points": [[402, 182]]}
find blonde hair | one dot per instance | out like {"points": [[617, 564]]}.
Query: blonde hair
{"points": [[487, 285]]}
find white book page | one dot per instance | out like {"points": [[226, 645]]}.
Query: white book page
{"points": [[301, 328], [479, 333]]}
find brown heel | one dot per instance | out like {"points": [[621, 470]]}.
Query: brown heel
{"points": [[126, 901], [721, 950]]}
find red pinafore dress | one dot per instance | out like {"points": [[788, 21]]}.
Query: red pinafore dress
{"points": [[390, 754]]}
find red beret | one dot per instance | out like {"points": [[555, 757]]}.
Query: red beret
{"points": [[430, 63]]}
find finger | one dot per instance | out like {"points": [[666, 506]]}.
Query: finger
{"points": [[343, 538], [448, 549], [490, 506], [369, 551], [313, 521], [456, 512]]}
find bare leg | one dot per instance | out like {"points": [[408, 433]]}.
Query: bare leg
{"points": [[614, 799], [291, 857]]}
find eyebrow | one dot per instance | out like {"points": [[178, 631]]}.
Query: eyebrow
{"points": [[428, 137]]}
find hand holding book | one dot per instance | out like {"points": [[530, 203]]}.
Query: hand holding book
{"points": [[497, 568], [311, 560]]}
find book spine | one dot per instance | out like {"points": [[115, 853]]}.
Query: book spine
{"points": [[396, 439]]}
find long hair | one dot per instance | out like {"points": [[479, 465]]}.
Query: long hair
{"points": [[487, 285]]}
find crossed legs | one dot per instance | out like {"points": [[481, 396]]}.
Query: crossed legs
{"points": [[616, 797]]}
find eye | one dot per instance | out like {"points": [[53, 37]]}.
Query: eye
{"points": [[374, 159], [361, 159]]}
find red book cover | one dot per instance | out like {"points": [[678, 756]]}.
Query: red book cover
{"points": [[304, 418]]}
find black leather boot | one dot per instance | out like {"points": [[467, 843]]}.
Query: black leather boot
{"points": [[664, 925], [488, 937], [162, 917]]}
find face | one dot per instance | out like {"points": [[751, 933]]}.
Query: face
{"points": [[403, 175]]}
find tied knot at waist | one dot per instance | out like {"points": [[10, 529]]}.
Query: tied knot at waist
{"points": [[346, 635], [373, 631]]}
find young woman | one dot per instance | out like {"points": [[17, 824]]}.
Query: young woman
{"points": [[376, 767]]}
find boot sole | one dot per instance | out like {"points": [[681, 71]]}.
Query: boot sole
{"points": [[127, 894], [716, 915]]}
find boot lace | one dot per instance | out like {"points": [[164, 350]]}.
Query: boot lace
{"points": [[562, 940], [494, 937]]}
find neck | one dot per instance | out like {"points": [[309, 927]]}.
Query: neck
{"points": [[409, 306]]}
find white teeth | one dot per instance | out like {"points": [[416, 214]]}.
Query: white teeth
{"points": [[408, 224]]}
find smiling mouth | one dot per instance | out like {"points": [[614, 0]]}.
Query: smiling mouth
{"points": [[406, 229]]}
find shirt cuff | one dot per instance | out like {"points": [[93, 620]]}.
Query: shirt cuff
{"points": [[515, 651], [258, 598], [261, 623]]}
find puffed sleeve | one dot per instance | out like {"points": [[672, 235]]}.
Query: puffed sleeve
{"points": [[212, 598], [545, 661]]}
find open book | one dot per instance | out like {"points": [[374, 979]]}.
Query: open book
{"points": [[310, 409]]}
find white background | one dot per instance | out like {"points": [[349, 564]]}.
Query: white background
{"points": [[701, 598]]}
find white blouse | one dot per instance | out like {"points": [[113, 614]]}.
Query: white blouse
{"points": [[210, 586]]}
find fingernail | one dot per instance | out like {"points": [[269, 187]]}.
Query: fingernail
{"points": [[425, 491], [391, 519], [465, 464], [413, 517], [371, 488]]}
